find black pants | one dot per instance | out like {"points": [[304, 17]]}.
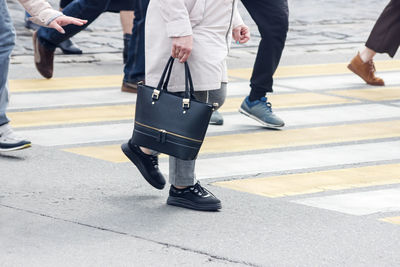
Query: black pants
{"points": [[115, 6], [64, 3], [272, 19], [385, 36]]}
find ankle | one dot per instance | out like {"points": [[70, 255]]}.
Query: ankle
{"points": [[146, 150], [367, 55], [253, 98], [180, 187]]}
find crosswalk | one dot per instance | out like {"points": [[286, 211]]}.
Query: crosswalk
{"points": [[340, 134]]}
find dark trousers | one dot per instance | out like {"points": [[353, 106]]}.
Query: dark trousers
{"points": [[385, 36], [135, 66], [84, 9], [271, 17], [64, 3]]}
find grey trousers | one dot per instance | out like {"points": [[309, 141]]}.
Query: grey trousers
{"points": [[182, 172]]}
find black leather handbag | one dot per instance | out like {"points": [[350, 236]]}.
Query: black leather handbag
{"points": [[169, 123]]}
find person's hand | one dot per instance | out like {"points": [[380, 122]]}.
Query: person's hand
{"points": [[241, 34], [182, 47], [61, 21]]}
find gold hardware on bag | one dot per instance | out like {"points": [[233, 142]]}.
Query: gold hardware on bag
{"points": [[186, 103], [156, 94], [215, 106]]}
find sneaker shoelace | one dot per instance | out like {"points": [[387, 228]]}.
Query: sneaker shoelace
{"points": [[154, 161], [9, 135], [198, 189], [267, 104], [372, 66]]}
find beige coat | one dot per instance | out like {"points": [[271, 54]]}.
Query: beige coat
{"points": [[209, 21], [41, 11]]}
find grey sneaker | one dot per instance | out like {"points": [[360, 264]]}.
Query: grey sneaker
{"points": [[9, 141], [216, 118], [261, 111]]}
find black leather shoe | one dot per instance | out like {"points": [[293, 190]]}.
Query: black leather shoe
{"points": [[31, 26], [69, 48], [193, 197], [147, 165]]}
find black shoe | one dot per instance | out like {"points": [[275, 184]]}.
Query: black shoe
{"points": [[31, 26], [127, 39], [69, 48], [147, 164], [193, 197]]}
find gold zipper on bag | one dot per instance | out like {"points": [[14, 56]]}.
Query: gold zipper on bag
{"points": [[164, 131]]}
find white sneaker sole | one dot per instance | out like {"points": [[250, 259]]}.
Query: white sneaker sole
{"points": [[15, 148], [263, 123]]}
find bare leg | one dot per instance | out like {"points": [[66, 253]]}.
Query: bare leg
{"points": [[127, 21], [127, 25]]}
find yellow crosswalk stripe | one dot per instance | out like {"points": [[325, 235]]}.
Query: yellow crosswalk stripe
{"points": [[71, 115], [126, 112], [372, 94], [270, 139], [306, 183], [109, 81], [394, 220], [315, 70], [66, 83]]}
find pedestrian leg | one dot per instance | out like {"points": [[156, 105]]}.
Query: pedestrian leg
{"points": [[135, 66]]}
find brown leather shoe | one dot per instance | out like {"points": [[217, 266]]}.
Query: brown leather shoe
{"points": [[365, 70], [130, 87], [44, 58]]}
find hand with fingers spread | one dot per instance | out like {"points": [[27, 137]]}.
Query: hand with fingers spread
{"points": [[241, 34], [61, 21], [182, 47]]}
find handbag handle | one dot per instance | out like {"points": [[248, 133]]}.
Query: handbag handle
{"points": [[164, 80]]}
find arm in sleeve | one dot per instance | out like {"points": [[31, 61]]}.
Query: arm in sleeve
{"points": [[176, 17], [41, 11], [237, 19]]}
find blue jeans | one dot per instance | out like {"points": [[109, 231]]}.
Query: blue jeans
{"points": [[83, 9], [7, 42], [135, 69]]}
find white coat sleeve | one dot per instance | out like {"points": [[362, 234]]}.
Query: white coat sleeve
{"points": [[237, 19], [41, 11], [176, 17]]}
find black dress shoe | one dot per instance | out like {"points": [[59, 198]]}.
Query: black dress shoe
{"points": [[69, 48], [31, 26], [193, 197], [147, 164]]}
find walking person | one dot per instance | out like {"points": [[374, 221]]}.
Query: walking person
{"points": [[126, 15], [196, 31], [135, 65], [67, 47], [43, 14], [46, 40], [384, 38], [272, 19]]}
